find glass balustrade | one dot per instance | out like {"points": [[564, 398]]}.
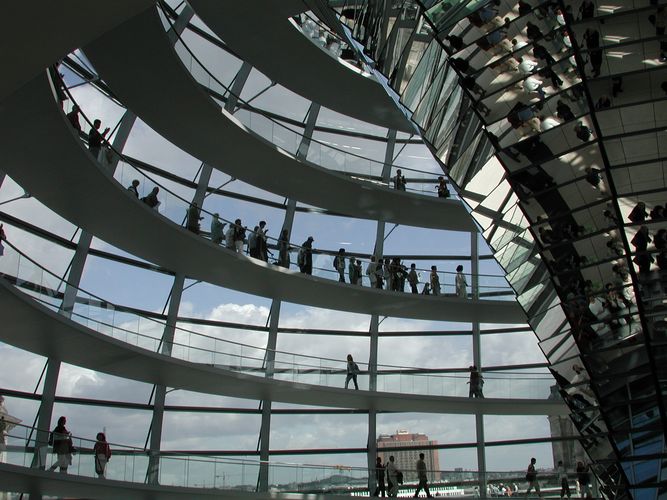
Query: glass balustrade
{"points": [[146, 332], [289, 139], [129, 464]]}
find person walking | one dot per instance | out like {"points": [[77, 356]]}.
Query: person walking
{"points": [[461, 283], [379, 474], [217, 229], [435, 281], [61, 440], [476, 382], [584, 480], [193, 217], [102, 453], [95, 139], [422, 476], [562, 478], [339, 265], [239, 236], [305, 257], [531, 477], [283, 249], [352, 372], [392, 477]]}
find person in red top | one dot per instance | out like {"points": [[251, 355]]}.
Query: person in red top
{"points": [[102, 454]]}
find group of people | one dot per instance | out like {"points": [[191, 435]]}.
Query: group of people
{"points": [[63, 447], [384, 273], [394, 477], [642, 238], [582, 475], [476, 381], [399, 182]]}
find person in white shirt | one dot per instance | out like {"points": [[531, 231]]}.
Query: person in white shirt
{"points": [[548, 123], [392, 477], [526, 66], [532, 84], [461, 284]]}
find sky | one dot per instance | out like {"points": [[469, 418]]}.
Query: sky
{"points": [[121, 284]]}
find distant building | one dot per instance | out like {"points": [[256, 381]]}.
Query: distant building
{"points": [[406, 459]]}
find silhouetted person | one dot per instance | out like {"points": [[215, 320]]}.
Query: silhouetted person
{"points": [[339, 265], [133, 188], [73, 118], [476, 383], [531, 478], [564, 112], [151, 198], [283, 249], [584, 480], [61, 440], [379, 473], [352, 372], [399, 181], [562, 477], [193, 218], [95, 139], [305, 258], [443, 191], [413, 278], [422, 476], [582, 132], [587, 9], [638, 213], [217, 229], [102, 453]]}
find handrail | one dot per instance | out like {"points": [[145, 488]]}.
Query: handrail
{"points": [[291, 246], [120, 449], [294, 366], [258, 111]]}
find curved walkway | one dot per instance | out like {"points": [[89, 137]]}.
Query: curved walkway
{"points": [[139, 64], [85, 193], [37, 329], [38, 482], [40, 33], [261, 32]]}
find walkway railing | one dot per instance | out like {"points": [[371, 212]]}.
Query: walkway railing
{"points": [[129, 463], [175, 207], [190, 345], [290, 140]]}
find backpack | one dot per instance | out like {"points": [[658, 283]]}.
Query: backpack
{"points": [[301, 258], [335, 262]]}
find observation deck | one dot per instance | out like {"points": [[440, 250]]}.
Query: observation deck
{"points": [[138, 62], [84, 192]]}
